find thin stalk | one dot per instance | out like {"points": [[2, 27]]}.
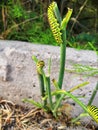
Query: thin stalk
{"points": [[42, 88], [62, 48], [79, 117], [93, 95], [55, 83], [45, 85], [84, 107], [62, 59], [74, 98], [58, 102], [49, 66], [34, 58], [57, 14], [78, 86], [80, 10], [77, 101], [48, 91], [41, 76]]}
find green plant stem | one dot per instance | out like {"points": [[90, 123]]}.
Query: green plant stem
{"points": [[42, 80], [62, 48], [58, 102], [62, 59], [48, 91], [49, 66], [77, 101], [45, 85], [57, 14], [78, 86], [79, 117], [42, 88], [93, 95], [83, 106], [37, 104], [73, 97]]}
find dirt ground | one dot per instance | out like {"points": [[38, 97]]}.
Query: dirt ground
{"points": [[15, 117]]}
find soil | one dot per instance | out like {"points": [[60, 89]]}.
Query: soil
{"points": [[16, 117]]}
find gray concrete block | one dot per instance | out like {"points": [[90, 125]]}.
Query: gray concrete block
{"points": [[18, 76]]}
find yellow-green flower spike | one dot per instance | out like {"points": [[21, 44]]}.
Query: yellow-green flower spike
{"points": [[55, 27], [93, 111]]}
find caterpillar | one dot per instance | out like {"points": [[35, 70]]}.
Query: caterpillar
{"points": [[54, 25], [93, 110], [40, 64]]}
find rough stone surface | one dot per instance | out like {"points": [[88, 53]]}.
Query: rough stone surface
{"points": [[18, 77]]}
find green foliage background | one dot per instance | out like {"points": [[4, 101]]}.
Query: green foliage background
{"points": [[27, 21]]}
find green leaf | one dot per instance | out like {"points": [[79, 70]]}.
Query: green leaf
{"points": [[35, 59], [66, 19], [37, 104], [79, 86]]}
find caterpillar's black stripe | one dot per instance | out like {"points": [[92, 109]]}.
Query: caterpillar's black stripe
{"points": [[54, 24], [93, 112]]}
